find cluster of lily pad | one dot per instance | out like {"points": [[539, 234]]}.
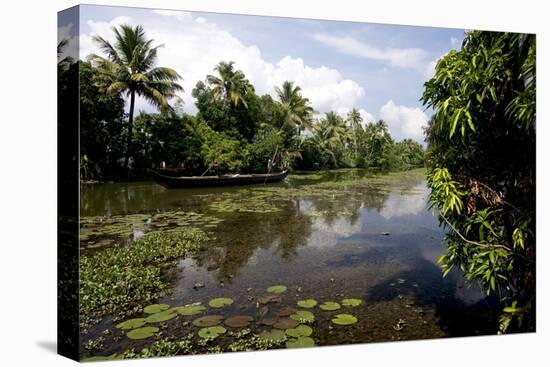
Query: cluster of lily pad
{"points": [[251, 204], [100, 231], [293, 327]]}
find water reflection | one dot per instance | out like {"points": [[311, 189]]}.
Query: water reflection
{"points": [[347, 233]]}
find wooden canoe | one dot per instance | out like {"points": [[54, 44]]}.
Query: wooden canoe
{"points": [[172, 182]]}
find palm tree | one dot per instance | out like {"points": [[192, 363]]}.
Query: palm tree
{"points": [[299, 112], [355, 119], [330, 135], [129, 67], [231, 85]]}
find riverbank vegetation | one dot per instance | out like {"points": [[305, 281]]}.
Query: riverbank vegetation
{"points": [[234, 130], [481, 159]]}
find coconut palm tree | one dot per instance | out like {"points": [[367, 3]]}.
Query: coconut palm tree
{"points": [[230, 84], [355, 120], [299, 110], [330, 135], [129, 68]]}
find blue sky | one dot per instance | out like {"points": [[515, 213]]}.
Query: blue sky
{"points": [[379, 69]]}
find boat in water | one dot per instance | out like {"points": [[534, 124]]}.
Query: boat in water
{"points": [[171, 181]]}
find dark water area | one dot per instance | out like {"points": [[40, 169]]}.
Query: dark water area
{"points": [[325, 235]]}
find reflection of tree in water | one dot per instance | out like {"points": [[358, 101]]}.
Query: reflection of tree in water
{"points": [[242, 234], [371, 192], [424, 283]]}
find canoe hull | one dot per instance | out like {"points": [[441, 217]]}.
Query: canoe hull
{"points": [[172, 182]]}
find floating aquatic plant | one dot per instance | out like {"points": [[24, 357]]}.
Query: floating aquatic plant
{"points": [[273, 335], [156, 308], [220, 302], [307, 303], [207, 321], [285, 323], [238, 321], [352, 302], [131, 324], [301, 342], [286, 311], [303, 316], [298, 331], [161, 316], [189, 310], [142, 333], [277, 289], [270, 298], [329, 306], [344, 319], [211, 332]]}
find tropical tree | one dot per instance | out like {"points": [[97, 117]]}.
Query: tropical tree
{"points": [[481, 159], [230, 85], [129, 68], [299, 112], [354, 119], [330, 136]]}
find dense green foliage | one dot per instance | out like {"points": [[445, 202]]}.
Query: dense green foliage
{"points": [[481, 158], [119, 280], [234, 129]]}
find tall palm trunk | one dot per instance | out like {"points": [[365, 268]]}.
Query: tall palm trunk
{"points": [[130, 130]]}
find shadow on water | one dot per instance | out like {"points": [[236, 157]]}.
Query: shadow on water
{"points": [[461, 310]]}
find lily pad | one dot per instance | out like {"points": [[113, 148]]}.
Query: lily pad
{"points": [[142, 333], [270, 298], [189, 310], [352, 302], [220, 302], [273, 335], [207, 321], [156, 308], [269, 321], [298, 331], [161, 316], [303, 316], [277, 289], [307, 303], [301, 342], [211, 332], [344, 319], [287, 311], [238, 321], [329, 306], [131, 324], [285, 323]]}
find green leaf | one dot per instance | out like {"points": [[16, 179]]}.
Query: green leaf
{"points": [[156, 308], [142, 333], [220, 302], [329, 306], [344, 319], [307, 303], [277, 289], [302, 342]]}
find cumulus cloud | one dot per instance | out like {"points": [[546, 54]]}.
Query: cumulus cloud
{"points": [[401, 57], [404, 122], [193, 47]]}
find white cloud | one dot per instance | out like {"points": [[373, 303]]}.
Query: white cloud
{"points": [[405, 205], [402, 57], [404, 122], [194, 46]]}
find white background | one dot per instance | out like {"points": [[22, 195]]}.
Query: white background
{"points": [[28, 182]]}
